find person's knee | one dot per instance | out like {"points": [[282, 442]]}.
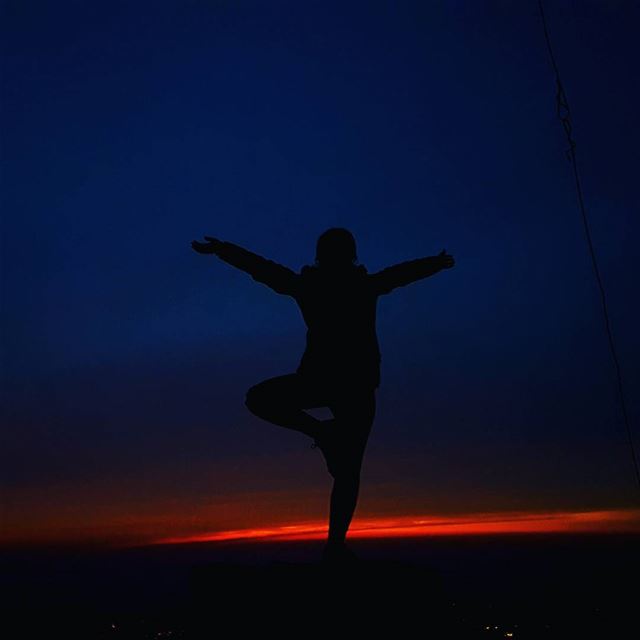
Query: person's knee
{"points": [[254, 398]]}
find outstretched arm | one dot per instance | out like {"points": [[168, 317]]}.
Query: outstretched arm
{"points": [[276, 276], [407, 272]]}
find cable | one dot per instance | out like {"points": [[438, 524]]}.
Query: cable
{"points": [[564, 115]]}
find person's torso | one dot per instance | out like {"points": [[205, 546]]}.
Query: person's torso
{"points": [[339, 310]]}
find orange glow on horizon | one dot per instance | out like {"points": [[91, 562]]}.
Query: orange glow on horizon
{"points": [[613, 521]]}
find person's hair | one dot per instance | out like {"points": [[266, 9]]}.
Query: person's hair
{"points": [[336, 246]]}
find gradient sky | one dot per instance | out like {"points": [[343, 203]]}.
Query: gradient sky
{"points": [[131, 129]]}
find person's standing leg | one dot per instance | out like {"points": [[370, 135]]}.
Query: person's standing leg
{"points": [[355, 414], [281, 400]]}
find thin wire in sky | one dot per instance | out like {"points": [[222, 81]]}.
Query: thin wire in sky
{"points": [[564, 115]]}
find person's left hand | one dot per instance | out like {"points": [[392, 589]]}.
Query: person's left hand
{"points": [[446, 260]]}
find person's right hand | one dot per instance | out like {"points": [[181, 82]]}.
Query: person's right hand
{"points": [[446, 260], [210, 246]]}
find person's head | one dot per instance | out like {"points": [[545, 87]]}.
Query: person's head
{"points": [[336, 248]]}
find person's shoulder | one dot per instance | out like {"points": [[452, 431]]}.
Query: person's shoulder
{"points": [[310, 271]]}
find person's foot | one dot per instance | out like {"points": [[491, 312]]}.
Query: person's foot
{"points": [[326, 441], [338, 554]]}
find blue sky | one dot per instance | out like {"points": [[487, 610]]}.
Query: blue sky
{"points": [[131, 129]]}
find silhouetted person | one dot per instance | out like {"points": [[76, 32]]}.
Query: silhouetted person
{"points": [[340, 368]]}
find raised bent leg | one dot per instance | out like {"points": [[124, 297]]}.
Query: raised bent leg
{"points": [[281, 400]]}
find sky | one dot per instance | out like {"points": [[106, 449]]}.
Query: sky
{"points": [[131, 129]]}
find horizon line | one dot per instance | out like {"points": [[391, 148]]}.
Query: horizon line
{"points": [[601, 521]]}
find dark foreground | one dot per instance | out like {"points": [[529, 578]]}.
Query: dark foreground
{"points": [[515, 586]]}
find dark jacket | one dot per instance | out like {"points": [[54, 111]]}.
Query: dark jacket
{"points": [[338, 307]]}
